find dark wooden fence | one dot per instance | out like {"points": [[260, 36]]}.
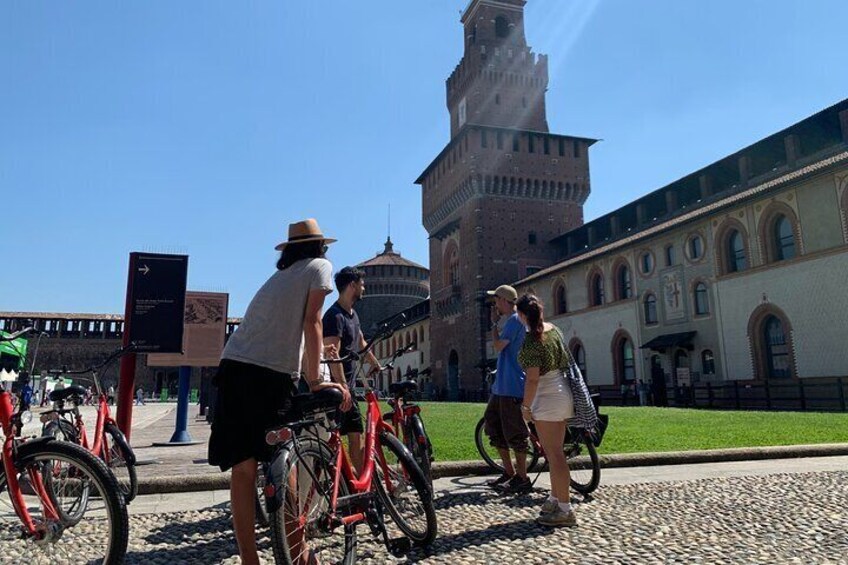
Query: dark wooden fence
{"points": [[820, 395]]}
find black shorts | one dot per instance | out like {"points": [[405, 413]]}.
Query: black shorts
{"points": [[504, 423], [351, 421], [248, 404]]}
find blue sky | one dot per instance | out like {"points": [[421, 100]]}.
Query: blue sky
{"points": [[206, 127]]}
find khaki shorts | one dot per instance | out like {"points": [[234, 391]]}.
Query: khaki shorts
{"points": [[504, 424]]}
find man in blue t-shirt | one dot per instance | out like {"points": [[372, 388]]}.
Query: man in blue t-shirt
{"points": [[504, 423]]}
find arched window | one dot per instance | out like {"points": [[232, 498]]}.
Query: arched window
{"points": [[624, 286], [596, 289], [776, 349], [651, 309], [736, 257], [560, 299], [707, 362], [702, 305], [421, 334], [696, 247], [451, 264], [669, 256], [784, 239], [626, 361], [580, 359], [646, 263], [579, 354], [501, 26]]}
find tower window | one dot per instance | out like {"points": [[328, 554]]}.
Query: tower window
{"points": [[501, 26], [484, 138], [531, 143], [547, 143], [561, 147], [515, 146], [576, 149], [500, 140], [497, 98], [531, 238]]}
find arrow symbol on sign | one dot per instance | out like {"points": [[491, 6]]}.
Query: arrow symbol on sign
{"points": [[144, 269]]}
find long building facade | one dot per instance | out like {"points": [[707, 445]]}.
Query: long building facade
{"points": [[733, 273]]}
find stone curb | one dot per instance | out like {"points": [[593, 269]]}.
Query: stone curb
{"points": [[221, 481]]}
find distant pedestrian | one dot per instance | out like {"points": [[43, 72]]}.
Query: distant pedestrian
{"points": [[643, 393], [26, 396], [625, 393], [139, 396]]}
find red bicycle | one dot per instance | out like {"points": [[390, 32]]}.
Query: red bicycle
{"points": [[315, 500], [405, 418], [42, 480], [110, 444]]}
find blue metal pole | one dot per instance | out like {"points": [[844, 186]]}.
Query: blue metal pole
{"points": [[181, 434]]}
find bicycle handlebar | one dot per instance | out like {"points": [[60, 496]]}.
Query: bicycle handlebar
{"points": [[16, 335], [116, 354]]}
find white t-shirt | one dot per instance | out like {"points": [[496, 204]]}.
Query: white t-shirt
{"points": [[271, 333]]}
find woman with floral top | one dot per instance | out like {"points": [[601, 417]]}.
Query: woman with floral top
{"points": [[548, 402]]}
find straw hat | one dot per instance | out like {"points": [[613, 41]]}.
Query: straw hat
{"points": [[302, 232]]}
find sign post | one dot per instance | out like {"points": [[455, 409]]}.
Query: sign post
{"points": [[205, 324], [153, 318]]}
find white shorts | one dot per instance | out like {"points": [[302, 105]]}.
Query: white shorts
{"points": [[553, 401]]}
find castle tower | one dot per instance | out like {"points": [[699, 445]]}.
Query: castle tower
{"points": [[500, 190], [392, 284]]}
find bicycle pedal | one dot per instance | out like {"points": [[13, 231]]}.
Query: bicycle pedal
{"points": [[399, 547]]}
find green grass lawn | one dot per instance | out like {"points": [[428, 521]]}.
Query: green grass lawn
{"points": [[631, 430]]}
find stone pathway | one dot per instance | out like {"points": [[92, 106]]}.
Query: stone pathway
{"points": [[777, 518]]}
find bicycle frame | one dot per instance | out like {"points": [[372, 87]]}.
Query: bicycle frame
{"points": [[13, 485]]}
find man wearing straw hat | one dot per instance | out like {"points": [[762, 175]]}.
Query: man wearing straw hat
{"points": [[259, 362]]}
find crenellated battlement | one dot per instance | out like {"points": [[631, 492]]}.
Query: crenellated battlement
{"points": [[520, 69]]}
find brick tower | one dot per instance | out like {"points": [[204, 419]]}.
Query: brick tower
{"points": [[500, 190]]}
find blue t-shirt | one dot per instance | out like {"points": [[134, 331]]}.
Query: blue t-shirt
{"points": [[509, 380]]}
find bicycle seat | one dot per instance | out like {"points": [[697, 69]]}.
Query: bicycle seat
{"points": [[65, 393], [402, 388], [321, 401]]}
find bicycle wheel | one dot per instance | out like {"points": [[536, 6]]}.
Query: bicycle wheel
{"points": [[304, 528], [583, 462], [62, 430], [100, 538], [419, 445], [261, 507], [120, 460], [405, 492], [490, 454]]}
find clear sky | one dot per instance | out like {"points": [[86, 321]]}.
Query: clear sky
{"points": [[206, 127]]}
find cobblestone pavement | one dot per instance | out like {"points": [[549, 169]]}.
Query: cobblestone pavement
{"points": [[783, 518]]}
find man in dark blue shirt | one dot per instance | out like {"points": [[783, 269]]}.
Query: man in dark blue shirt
{"points": [[341, 329]]}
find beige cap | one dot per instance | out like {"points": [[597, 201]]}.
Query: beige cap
{"points": [[504, 291]]}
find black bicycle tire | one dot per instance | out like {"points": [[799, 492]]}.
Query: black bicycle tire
{"points": [[279, 542], [130, 494], [261, 508], [98, 471], [66, 427], [72, 438], [479, 440], [595, 481], [420, 447], [421, 485]]}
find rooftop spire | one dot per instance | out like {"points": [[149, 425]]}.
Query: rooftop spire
{"points": [[389, 247]]}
